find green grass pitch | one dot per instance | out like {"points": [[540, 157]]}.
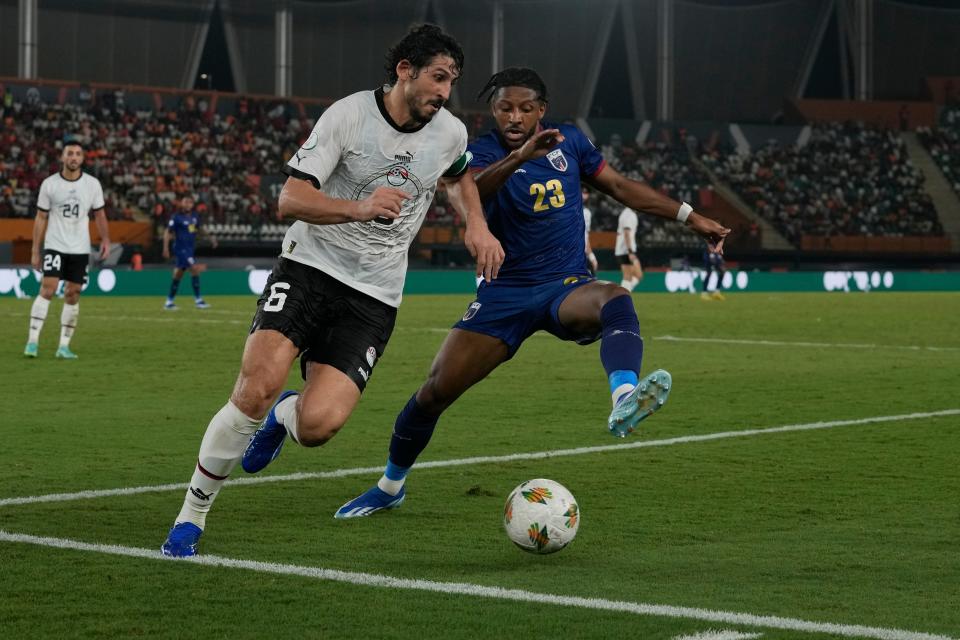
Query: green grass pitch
{"points": [[854, 524]]}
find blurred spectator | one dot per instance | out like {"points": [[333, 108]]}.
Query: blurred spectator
{"points": [[850, 180], [943, 143]]}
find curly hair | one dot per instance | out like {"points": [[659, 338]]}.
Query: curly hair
{"points": [[419, 46], [515, 77]]}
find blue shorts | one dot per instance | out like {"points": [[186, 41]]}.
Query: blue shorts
{"points": [[185, 259], [515, 312]]}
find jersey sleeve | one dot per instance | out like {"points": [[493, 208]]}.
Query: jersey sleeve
{"points": [[482, 155], [97, 196], [462, 163], [591, 160], [319, 155], [43, 198]]}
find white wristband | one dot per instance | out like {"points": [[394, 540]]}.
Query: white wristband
{"points": [[684, 212]]}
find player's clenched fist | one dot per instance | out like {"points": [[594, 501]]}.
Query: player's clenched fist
{"points": [[384, 202], [540, 144]]}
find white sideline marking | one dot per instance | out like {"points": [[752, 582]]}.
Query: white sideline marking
{"points": [[459, 462], [714, 634], [784, 343], [481, 591], [172, 316]]}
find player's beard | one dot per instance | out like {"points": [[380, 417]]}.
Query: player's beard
{"points": [[421, 114]]}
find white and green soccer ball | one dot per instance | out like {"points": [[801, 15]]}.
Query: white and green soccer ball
{"points": [[541, 516]]}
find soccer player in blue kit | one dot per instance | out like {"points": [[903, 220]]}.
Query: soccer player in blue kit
{"points": [[529, 177], [183, 228]]}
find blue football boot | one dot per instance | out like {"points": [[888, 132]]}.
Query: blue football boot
{"points": [[266, 442], [30, 350], [182, 540], [649, 395], [375, 499]]}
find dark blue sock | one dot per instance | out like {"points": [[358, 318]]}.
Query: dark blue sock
{"points": [[411, 433], [174, 285], [195, 281], [621, 347]]}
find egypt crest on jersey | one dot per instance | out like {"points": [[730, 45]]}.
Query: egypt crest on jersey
{"points": [[354, 149]]}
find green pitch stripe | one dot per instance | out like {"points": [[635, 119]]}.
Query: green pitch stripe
{"points": [[481, 591], [460, 462]]}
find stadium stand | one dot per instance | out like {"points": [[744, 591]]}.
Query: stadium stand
{"points": [[943, 143], [850, 179]]}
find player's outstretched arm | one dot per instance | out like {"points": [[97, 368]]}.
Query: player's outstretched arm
{"points": [[492, 177], [100, 219], [481, 244], [299, 200], [39, 232], [641, 197]]}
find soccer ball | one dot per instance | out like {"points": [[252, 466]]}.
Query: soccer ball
{"points": [[541, 516]]}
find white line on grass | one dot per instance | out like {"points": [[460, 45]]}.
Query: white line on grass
{"points": [[173, 317], [481, 591], [785, 343], [714, 634], [460, 462]]}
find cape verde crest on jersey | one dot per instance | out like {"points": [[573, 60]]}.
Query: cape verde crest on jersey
{"points": [[557, 160]]}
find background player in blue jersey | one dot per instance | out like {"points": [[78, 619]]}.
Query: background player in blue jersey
{"points": [[712, 264], [183, 228], [529, 176]]}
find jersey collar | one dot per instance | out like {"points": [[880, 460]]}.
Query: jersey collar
{"points": [[66, 179], [378, 94]]}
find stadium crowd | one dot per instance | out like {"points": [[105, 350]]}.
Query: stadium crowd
{"points": [[668, 168], [146, 159], [943, 143], [849, 179]]}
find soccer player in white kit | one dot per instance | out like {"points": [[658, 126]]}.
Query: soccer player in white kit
{"points": [[626, 249], [587, 222], [359, 189], [62, 228]]}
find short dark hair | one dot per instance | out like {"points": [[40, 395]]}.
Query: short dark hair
{"points": [[419, 46], [515, 77], [72, 141]]}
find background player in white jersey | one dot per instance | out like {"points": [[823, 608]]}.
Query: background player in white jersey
{"points": [[359, 188], [626, 249], [587, 222], [62, 228]]}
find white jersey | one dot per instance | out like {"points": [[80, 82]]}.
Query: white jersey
{"points": [[68, 204], [587, 219], [627, 220], [355, 148]]}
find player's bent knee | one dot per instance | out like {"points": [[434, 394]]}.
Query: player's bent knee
{"points": [[317, 427], [434, 397]]}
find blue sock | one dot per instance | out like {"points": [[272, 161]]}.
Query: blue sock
{"points": [[621, 347], [174, 285], [195, 281], [411, 433]]}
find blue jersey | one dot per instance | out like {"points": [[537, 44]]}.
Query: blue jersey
{"points": [[537, 215], [184, 227]]}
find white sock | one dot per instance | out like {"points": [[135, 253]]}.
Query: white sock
{"points": [[286, 413], [223, 443], [621, 391], [38, 313], [68, 322], [390, 486]]}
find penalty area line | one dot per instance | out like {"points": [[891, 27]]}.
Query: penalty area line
{"points": [[462, 462], [483, 591]]}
